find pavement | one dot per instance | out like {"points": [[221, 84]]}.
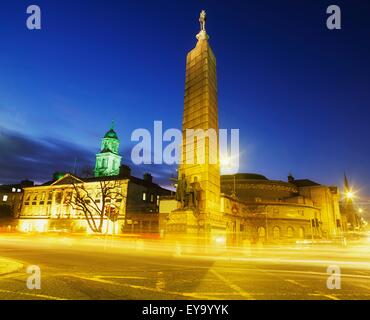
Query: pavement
{"points": [[93, 268], [9, 266]]}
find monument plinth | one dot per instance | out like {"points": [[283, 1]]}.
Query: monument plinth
{"points": [[198, 185]]}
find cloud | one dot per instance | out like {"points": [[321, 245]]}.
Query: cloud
{"points": [[22, 157], [162, 173]]}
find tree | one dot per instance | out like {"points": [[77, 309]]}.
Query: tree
{"points": [[104, 201]]}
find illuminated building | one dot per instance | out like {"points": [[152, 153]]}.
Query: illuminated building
{"points": [[108, 160], [232, 209], [257, 210], [11, 199], [52, 205]]}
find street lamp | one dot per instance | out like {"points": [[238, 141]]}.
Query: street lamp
{"points": [[349, 195]]}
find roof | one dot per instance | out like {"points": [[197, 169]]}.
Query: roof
{"points": [[305, 183], [133, 179], [8, 187], [111, 134], [246, 176], [23, 184]]}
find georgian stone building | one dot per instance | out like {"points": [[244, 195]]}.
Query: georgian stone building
{"points": [[50, 206]]}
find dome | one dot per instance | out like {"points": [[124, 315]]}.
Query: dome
{"points": [[111, 134]]}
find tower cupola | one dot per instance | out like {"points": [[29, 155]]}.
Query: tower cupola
{"points": [[108, 160]]}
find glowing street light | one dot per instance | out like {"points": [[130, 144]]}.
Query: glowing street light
{"points": [[349, 195]]}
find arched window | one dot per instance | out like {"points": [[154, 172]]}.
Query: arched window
{"points": [[290, 232], [301, 233], [261, 232], [276, 233]]}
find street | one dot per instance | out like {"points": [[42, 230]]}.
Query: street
{"points": [[81, 267]]}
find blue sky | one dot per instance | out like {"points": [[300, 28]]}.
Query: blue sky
{"points": [[298, 92]]}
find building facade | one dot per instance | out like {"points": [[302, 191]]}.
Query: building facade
{"points": [[112, 201], [258, 210], [11, 199]]}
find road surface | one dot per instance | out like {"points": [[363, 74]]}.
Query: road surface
{"points": [[103, 268]]}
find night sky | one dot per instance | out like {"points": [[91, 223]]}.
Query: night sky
{"points": [[298, 92]]}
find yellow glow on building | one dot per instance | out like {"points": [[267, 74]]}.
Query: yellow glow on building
{"points": [[38, 225]]}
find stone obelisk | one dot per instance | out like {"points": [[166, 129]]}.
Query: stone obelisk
{"points": [[200, 175]]}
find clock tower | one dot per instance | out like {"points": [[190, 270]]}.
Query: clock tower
{"points": [[108, 160]]}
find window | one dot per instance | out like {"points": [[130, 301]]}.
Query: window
{"points": [[276, 233], [58, 197], [157, 200], [34, 199], [5, 197], [261, 232], [28, 198], [290, 232], [14, 189], [152, 198], [67, 198], [19, 190], [301, 233], [50, 197], [144, 196]]}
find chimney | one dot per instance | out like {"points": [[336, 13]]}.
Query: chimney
{"points": [[124, 171], [27, 183], [148, 177], [290, 178]]}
